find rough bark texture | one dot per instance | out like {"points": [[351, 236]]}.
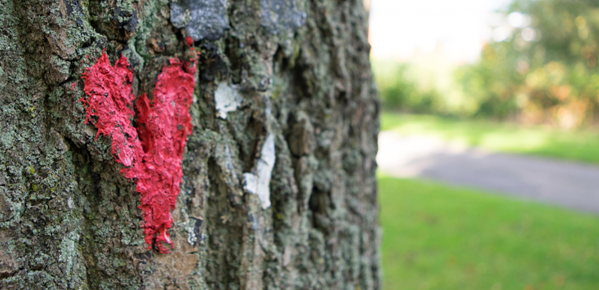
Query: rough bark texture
{"points": [[295, 72]]}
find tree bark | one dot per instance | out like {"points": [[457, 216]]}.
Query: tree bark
{"points": [[293, 75]]}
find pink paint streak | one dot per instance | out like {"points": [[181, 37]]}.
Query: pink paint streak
{"points": [[109, 107], [164, 124], [153, 159]]}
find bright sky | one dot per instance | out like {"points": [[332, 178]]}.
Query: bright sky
{"points": [[402, 29]]}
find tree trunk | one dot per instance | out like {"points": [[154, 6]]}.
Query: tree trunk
{"points": [[288, 75]]}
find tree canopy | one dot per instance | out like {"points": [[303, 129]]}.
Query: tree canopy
{"points": [[542, 65]]}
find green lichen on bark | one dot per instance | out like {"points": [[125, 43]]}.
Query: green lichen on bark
{"points": [[70, 220]]}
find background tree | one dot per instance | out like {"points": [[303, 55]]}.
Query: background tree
{"points": [[545, 67], [293, 73]]}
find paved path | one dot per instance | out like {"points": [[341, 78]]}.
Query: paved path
{"points": [[568, 184]]}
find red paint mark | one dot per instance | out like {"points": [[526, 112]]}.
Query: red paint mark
{"points": [[109, 107], [190, 67], [73, 86], [164, 124], [189, 41]]}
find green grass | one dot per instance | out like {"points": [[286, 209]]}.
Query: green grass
{"points": [[580, 145], [440, 237]]}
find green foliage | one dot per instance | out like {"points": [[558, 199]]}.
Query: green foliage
{"points": [[440, 237], [399, 91], [546, 71], [577, 145]]}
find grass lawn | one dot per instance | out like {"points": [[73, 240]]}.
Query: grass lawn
{"points": [[440, 237], [581, 145]]}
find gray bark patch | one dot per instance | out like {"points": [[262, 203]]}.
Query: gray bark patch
{"points": [[281, 15], [203, 19]]}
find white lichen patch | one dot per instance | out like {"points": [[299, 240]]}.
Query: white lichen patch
{"points": [[259, 182], [227, 99]]}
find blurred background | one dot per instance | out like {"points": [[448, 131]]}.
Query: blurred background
{"points": [[489, 149]]}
